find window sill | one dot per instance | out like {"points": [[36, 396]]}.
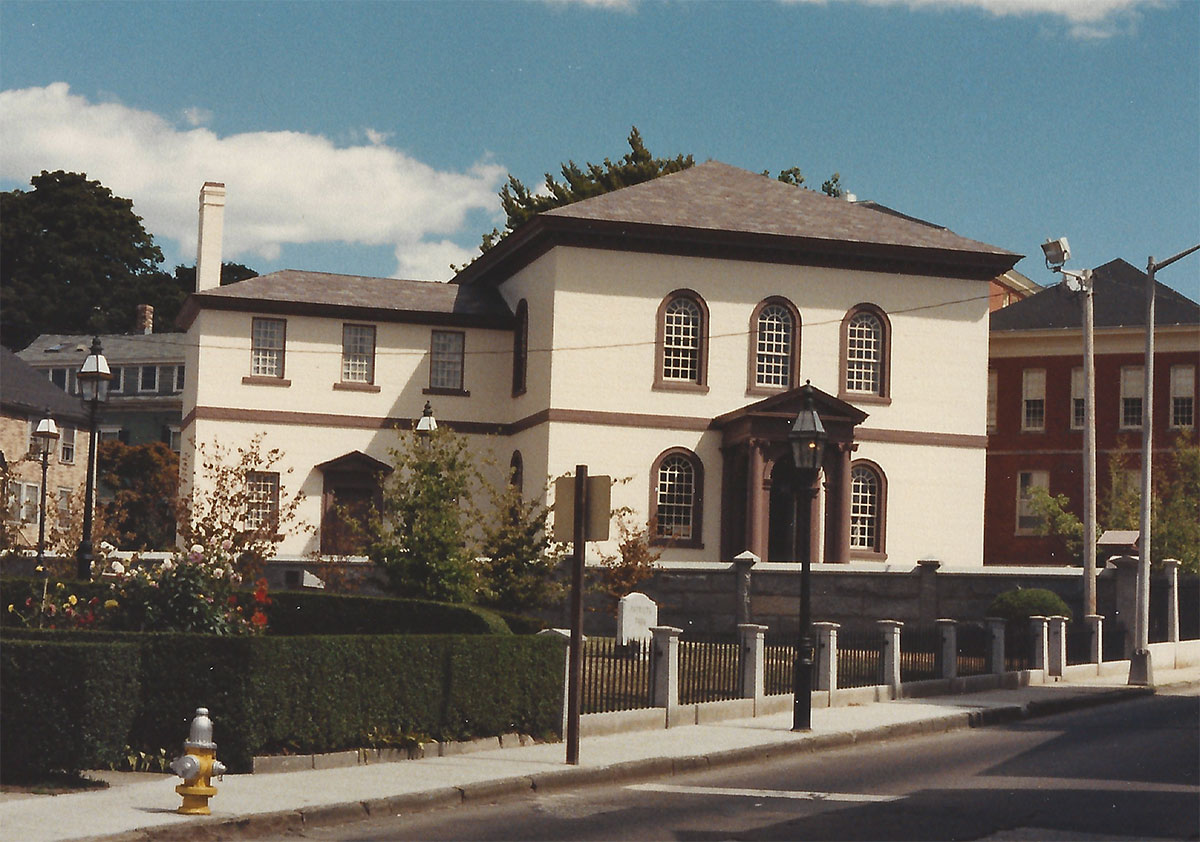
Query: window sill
{"points": [[1036, 430], [765, 391], [351, 386], [863, 555], [457, 393], [672, 386], [258, 380], [863, 397]]}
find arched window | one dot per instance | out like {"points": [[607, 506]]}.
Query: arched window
{"points": [[682, 346], [516, 471], [774, 346], [676, 498], [866, 353], [868, 497], [520, 348]]}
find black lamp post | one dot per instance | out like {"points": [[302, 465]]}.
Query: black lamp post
{"points": [[807, 438], [46, 434], [93, 380], [427, 423]]}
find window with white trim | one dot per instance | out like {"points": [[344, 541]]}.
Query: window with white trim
{"points": [[148, 379], [1183, 396], [447, 348], [358, 353], [1028, 518], [864, 353], [775, 334], [117, 384], [267, 343], [174, 438], [1133, 383], [676, 498], [28, 494], [66, 445], [864, 509], [1033, 399], [992, 397], [179, 370], [64, 502], [681, 330], [262, 500], [1078, 407]]}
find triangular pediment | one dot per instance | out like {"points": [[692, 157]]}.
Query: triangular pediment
{"points": [[355, 461], [789, 404]]}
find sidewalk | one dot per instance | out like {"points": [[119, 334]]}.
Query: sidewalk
{"points": [[141, 807]]}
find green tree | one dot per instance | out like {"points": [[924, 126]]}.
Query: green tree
{"points": [[144, 482], [421, 533], [636, 166], [231, 273], [74, 258], [521, 558]]}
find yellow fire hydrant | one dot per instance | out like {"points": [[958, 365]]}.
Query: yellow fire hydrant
{"points": [[198, 766]]}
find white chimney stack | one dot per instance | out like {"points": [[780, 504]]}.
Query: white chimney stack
{"points": [[208, 246]]}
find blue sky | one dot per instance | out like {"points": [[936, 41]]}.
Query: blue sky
{"points": [[371, 138]]}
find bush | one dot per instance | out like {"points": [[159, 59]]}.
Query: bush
{"points": [[310, 694], [306, 613], [67, 706], [1024, 603]]}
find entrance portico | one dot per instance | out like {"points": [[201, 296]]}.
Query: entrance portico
{"points": [[758, 485]]}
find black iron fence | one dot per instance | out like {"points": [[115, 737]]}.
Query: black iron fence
{"points": [[1018, 646], [974, 649], [860, 657], [920, 649], [779, 655], [709, 669], [615, 677]]}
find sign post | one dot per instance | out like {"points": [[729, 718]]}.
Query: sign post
{"points": [[585, 501]]}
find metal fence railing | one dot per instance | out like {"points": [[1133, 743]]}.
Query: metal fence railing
{"points": [[1018, 646], [709, 669], [860, 654], [779, 655], [615, 677], [920, 647], [974, 649]]}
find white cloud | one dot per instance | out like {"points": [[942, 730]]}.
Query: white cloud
{"points": [[196, 116], [283, 187], [1084, 18]]}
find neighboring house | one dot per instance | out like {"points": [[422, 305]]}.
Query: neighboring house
{"points": [[659, 333], [1035, 407], [25, 397], [1010, 288], [145, 399]]}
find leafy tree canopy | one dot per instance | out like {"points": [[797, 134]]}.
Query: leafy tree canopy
{"points": [[231, 273], [143, 480]]}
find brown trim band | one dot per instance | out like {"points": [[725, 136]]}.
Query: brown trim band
{"points": [[914, 437], [321, 419]]}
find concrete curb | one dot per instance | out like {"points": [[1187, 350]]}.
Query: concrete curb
{"points": [[571, 777]]}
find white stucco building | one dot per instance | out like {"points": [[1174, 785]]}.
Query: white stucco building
{"points": [[659, 332]]}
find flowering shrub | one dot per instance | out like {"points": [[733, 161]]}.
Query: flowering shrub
{"points": [[192, 592]]}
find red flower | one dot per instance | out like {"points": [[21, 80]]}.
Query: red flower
{"points": [[232, 600], [260, 593], [259, 619]]}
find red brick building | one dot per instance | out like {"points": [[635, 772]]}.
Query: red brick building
{"points": [[1035, 398]]}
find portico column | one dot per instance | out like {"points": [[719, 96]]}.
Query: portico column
{"points": [[841, 551], [756, 500], [814, 535]]}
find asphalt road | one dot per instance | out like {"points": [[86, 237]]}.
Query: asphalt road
{"points": [[1122, 771]]}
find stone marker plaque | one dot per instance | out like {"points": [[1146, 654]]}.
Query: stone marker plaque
{"points": [[636, 613]]}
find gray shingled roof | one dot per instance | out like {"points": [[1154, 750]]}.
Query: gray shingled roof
{"points": [[294, 288], [1119, 300], [720, 197], [26, 391], [119, 349]]}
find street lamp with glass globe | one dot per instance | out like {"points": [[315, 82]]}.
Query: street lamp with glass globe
{"points": [[93, 380], [45, 435]]}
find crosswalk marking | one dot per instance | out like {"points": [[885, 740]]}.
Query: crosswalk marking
{"points": [[798, 795]]}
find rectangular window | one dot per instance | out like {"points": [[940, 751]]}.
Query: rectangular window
{"points": [[446, 360], [178, 378], [110, 432], [33, 449], [30, 492], [58, 376], [148, 380], [1183, 395], [1132, 384], [117, 384], [64, 503], [1033, 399], [262, 500], [1077, 399], [66, 444], [175, 438], [358, 353], [1028, 520], [993, 391], [267, 346]]}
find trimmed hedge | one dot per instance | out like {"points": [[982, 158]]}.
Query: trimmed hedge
{"points": [[66, 706], [310, 694], [1024, 603], [305, 612]]}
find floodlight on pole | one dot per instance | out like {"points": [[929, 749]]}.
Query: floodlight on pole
{"points": [[1057, 253]]}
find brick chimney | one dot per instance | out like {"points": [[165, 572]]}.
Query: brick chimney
{"points": [[208, 246], [144, 323]]}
